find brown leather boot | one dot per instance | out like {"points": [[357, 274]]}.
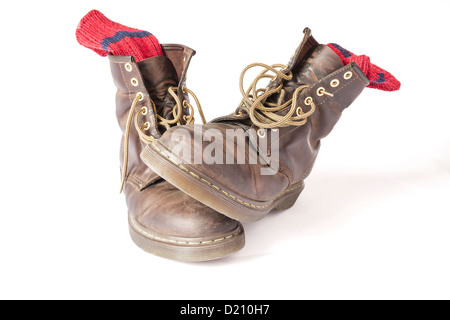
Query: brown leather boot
{"points": [[163, 220], [302, 103]]}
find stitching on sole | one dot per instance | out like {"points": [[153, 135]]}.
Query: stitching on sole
{"points": [[151, 236], [209, 184]]}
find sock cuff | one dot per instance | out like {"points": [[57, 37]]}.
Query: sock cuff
{"points": [[95, 22], [95, 31], [379, 78], [340, 51]]}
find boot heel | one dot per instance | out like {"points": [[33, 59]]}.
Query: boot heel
{"points": [[289, 200]]}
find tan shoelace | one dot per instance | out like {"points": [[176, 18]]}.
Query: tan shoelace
{"points": [[264, 114], [177, 113]]}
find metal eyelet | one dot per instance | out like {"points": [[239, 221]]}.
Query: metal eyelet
{"points": [[348, 75], [320, 91], [134, 82], [146, 126], [128, 67], [334, 83], [144, 110], [299, 111], [262, 133], [308, 101], [142, 96]]}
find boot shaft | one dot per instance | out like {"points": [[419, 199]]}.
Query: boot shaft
{"points": [[330, 86], [317, 66], [150, 78]]}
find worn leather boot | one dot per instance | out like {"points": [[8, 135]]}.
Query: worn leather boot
{"points": [[302, 103], [163, 220]]}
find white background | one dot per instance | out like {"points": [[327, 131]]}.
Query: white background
{"points": [[372, 223]]}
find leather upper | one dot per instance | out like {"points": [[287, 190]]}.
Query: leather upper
{"points": [[153, 202], [153, 76], [314, 65]]}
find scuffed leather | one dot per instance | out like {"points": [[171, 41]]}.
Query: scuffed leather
{"points": [[155, 203], [154, 75], [244, 179], [312, 64], [167, 210]]}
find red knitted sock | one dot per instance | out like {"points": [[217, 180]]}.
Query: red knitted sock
{"points": [[379, 78], [97, 32]]}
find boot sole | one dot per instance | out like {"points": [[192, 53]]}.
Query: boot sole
{"points": [[186, 249], [204, 190]]}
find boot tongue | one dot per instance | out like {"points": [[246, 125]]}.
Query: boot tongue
{"points": [[308, 68], [159, 74], [316, 64]]}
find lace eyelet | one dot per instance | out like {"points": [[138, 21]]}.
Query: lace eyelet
{"points": [[348, 75], [134, 82], [144, 110], [308, 101], [299, 111], [140, 94], [146, 126], [262, 133], [334, 83], [320, 91], [128, 67]]}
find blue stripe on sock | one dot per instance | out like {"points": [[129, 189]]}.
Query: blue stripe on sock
{"points": [[344, 52], [120, 35], [381, 78]]}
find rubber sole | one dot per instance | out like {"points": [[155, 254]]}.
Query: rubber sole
{"points": [[186, 249], [206, 191]]}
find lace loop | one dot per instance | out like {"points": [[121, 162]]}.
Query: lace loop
{"points": [[138, 97], [264, 114], [177, 113]]}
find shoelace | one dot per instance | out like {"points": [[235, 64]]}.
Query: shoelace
{"points": [[263, 114], [177, 113]]}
